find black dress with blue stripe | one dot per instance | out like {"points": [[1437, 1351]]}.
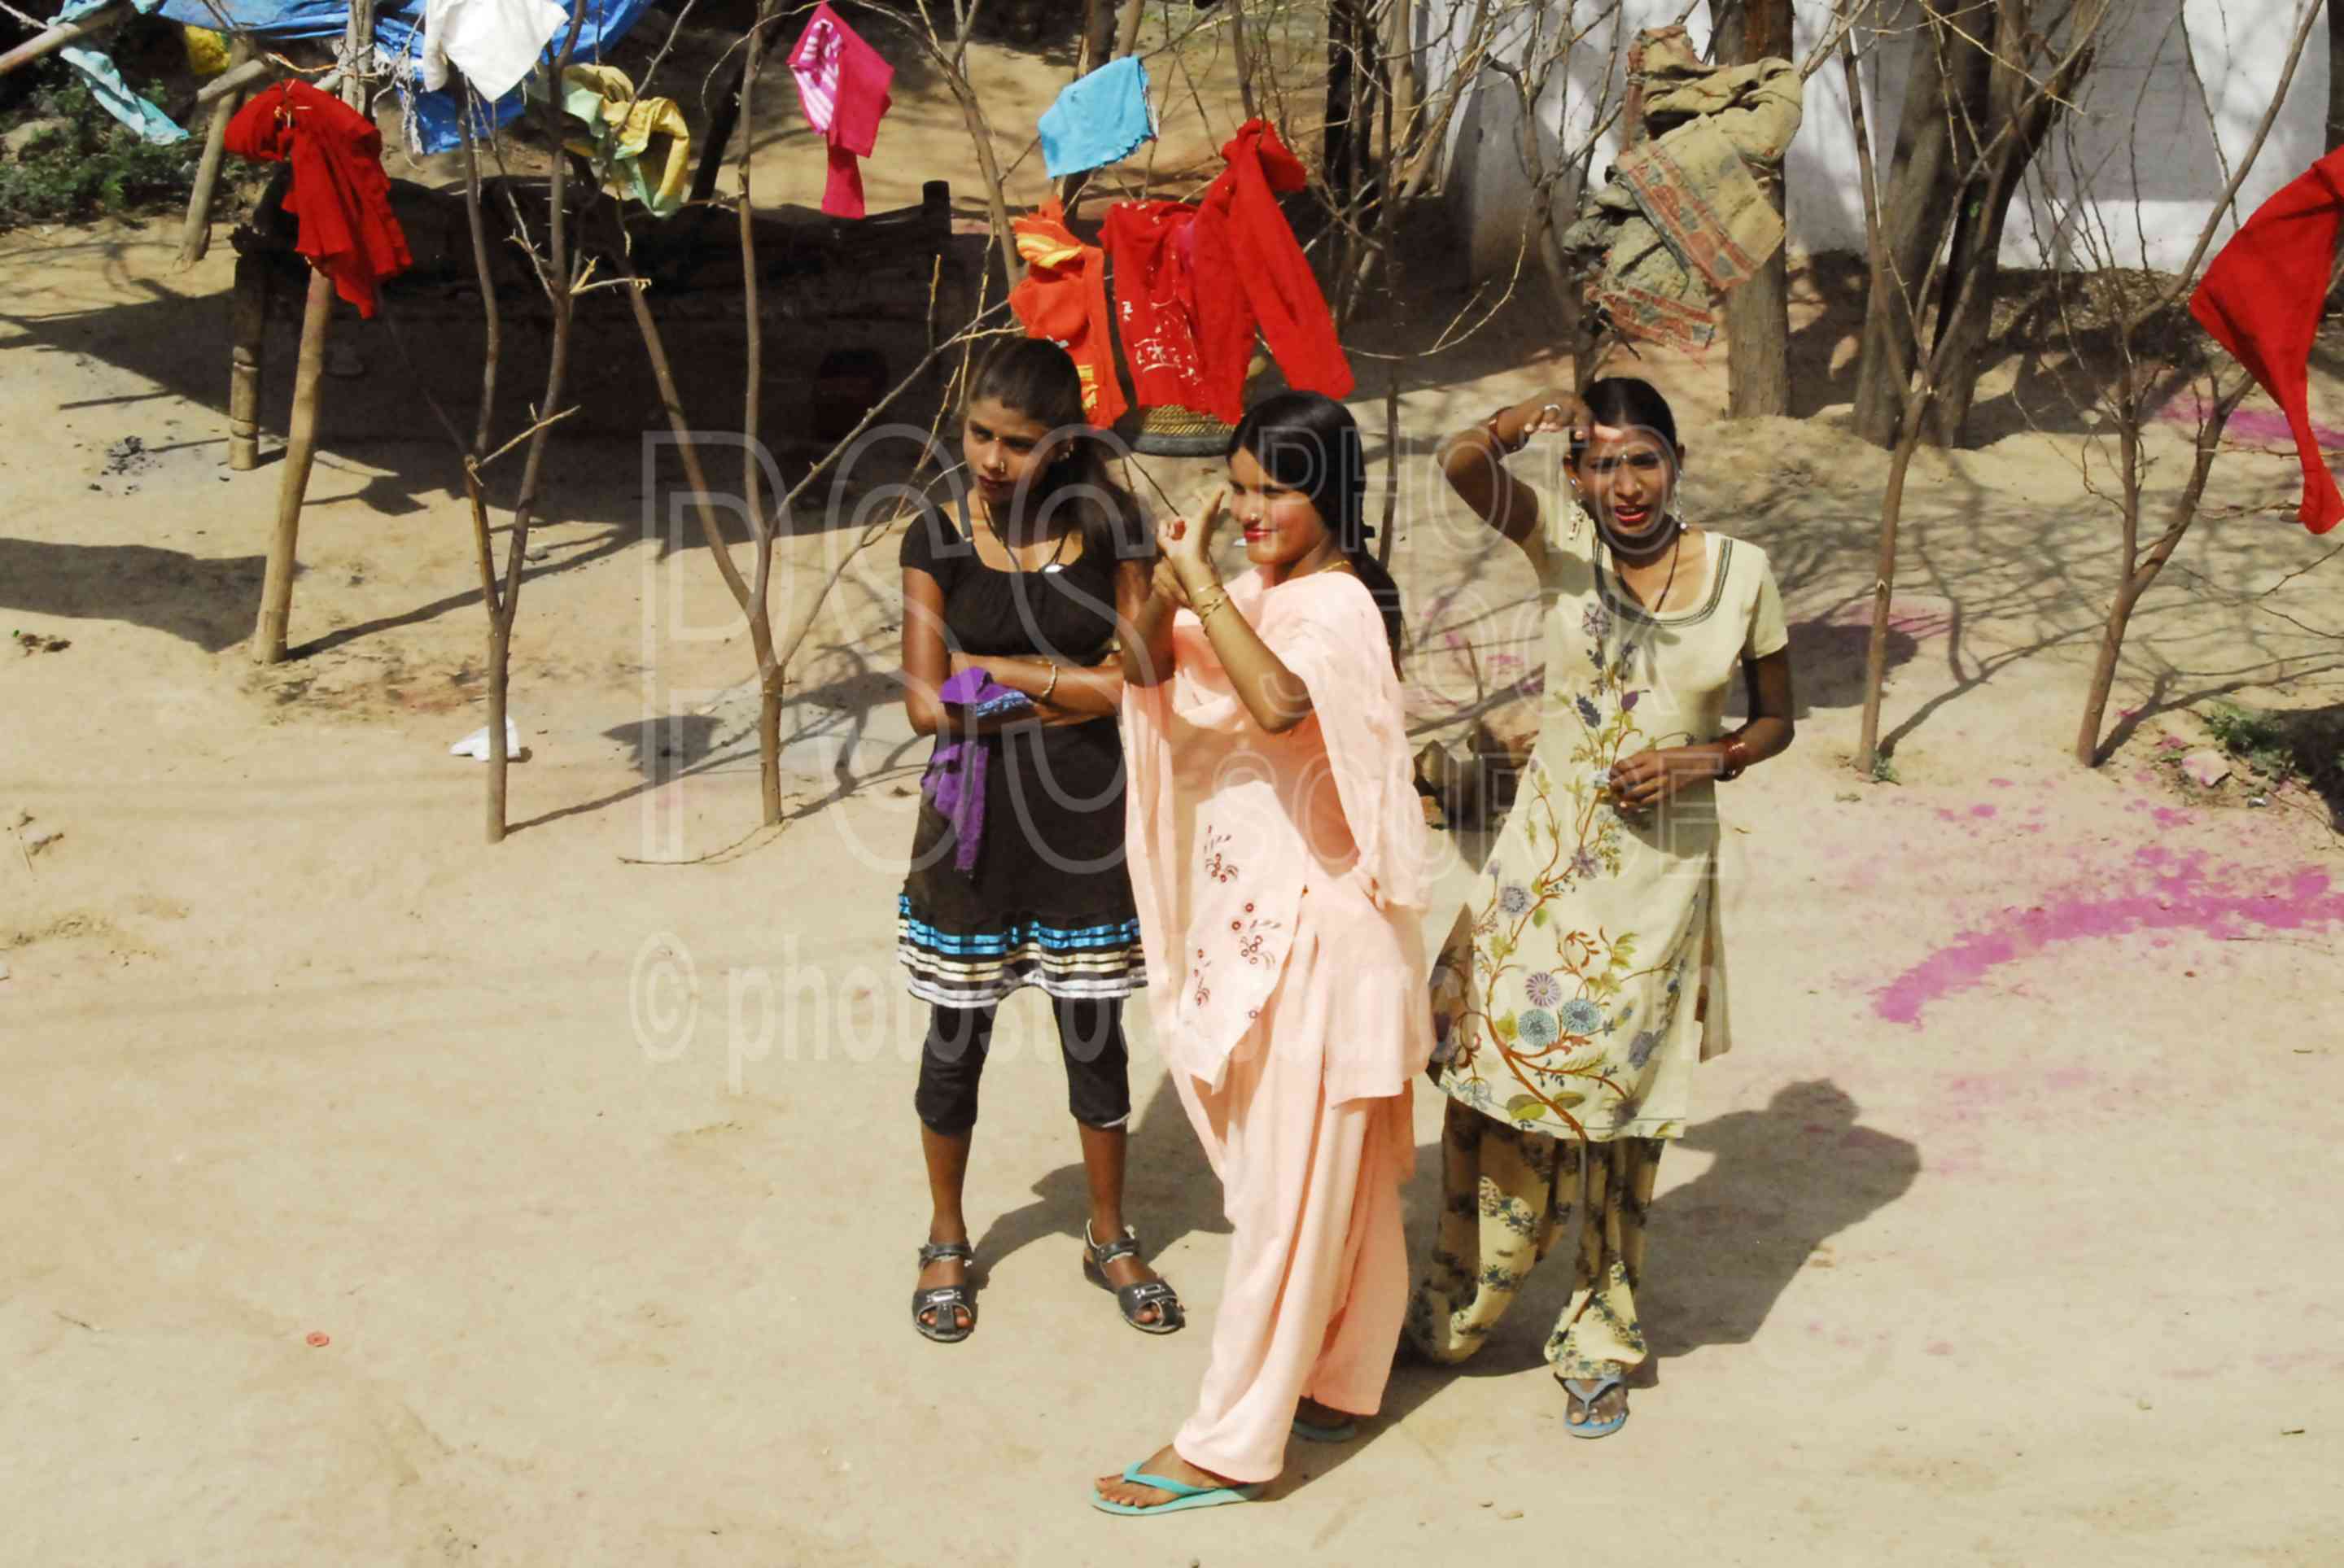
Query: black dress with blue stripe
{"points": [[1048, 902]]}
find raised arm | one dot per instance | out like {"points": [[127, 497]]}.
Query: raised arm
{"points": [[1272, 694], [1145, 597], [1473, 460]]}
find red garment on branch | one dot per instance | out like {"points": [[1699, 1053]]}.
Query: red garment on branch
{"points": [[844, 84], [1155, 299], [338, 191], [1193, 285], [1246, 250], [2261, 299], [1062, 298]]}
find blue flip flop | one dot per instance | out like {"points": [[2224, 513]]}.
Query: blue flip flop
{"points": [[1311, 1432], [1586, 1393], [1184, 1496]]}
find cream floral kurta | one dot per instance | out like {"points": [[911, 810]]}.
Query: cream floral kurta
{"points": [[1586, 975]]}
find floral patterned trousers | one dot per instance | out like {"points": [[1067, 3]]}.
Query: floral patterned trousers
{"points": [[1509, 1195]]}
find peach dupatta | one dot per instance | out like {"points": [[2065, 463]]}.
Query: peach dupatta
{"points": [[1238, 837]]}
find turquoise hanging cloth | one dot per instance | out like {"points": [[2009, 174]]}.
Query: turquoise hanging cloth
{"points": [[1099, 120], [107, 85]]}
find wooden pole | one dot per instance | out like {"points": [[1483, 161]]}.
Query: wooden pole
{"points": [[237, 78], [300, 449], [302, 430], [249, 348], [197, 238], [45, 43]]}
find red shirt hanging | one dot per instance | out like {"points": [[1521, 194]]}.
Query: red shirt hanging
{"points": [[1193, 285], [338, 191]]}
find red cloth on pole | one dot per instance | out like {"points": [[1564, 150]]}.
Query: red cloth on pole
{"points": [[2262, 298], [338, 191]]}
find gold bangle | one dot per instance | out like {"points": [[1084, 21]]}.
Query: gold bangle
{"points": [[1221, 598], [1044, 696]]}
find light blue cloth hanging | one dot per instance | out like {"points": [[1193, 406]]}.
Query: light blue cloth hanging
{"points": [[107, 85], [1098, 120]]}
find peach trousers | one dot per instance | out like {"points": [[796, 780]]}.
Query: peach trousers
{"points": [[1318, 1274]]}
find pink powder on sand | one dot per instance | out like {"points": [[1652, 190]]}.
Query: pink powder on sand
{"points": [[2251, 427], [1999, 783], [2167, 817], [2169, 893], [1980, 810]]}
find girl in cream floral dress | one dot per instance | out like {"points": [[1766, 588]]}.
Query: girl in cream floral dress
{"points": [[1586, 975]]}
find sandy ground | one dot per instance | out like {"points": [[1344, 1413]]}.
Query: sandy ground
{"points": [[375, 1196]]}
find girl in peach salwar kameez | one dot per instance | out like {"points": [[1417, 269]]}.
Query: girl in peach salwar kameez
{"points": [[1278, 860]]}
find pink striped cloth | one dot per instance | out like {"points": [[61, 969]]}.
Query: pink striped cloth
{"points": [[844, 84]]}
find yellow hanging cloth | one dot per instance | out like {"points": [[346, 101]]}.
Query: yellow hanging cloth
{"points": [[604, 98]]}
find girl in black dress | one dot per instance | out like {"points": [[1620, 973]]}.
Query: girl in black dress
{"points": [[1016, 572]]}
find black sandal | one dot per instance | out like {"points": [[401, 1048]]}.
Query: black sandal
{"points": [[942, 1300], [1132, 1299]]}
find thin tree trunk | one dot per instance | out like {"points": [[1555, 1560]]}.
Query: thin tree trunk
{"points": [[268, 640], [1944, 98], [2024, 113], [1127, 26], [1883, 590], [719, 134], [996, 202], [559, 283], [1340, 153], [1758, 311], [752, 460], [1391, 466], [493, 325], [1402, 84], [2138, 575], [1241, 52]]}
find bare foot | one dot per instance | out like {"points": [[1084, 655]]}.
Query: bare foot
{"points": [[1131, 1270], [1171, 1467], [945, 1271]]}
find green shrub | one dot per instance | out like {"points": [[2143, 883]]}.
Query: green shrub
{"points": [[96, 165], [2261, 740]]}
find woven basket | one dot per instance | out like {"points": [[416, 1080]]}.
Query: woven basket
{"points": [[1168, 430]]}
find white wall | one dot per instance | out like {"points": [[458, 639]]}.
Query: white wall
{"points": [[2152, 150]]}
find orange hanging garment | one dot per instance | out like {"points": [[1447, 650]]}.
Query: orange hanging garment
{"points": [[1062, 298]]}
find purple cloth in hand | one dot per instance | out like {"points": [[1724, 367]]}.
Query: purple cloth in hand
{"points": [[955, 780]]}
